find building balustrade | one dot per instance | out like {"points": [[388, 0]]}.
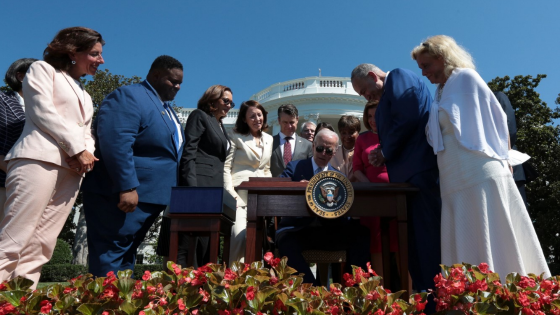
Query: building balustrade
{"points": [[330, 83], [310, 85]]}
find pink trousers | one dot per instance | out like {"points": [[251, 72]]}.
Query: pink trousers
{"points": [[40, 196]]}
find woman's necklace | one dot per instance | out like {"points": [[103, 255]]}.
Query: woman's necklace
{"points": [[439, 92]]}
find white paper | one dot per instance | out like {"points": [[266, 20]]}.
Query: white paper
{"points": [[517, 158]]}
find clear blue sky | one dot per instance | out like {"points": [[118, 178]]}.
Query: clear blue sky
{"points": [[251, 44]]}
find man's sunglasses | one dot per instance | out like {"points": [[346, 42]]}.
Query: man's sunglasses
{"points": [[320, 149], [228, 101]]}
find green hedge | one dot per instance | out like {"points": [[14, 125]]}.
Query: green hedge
{"points": [[64, 272], [61, 272], [62, 253]]}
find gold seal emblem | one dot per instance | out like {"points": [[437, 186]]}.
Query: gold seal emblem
{"points": [[329, 194]]}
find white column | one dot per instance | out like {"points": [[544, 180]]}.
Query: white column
{"points": [[275, 127]]}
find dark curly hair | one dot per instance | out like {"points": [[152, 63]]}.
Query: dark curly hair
{"points": [[20, 65], [214, 93], [165, 62], [241, 125], [369, 105], [350, 122], [67, 41]]}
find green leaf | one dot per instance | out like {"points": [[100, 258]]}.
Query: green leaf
{"points": [[124, 274], [150, 311], [485, 308], [20, 283], [13, 297], [222, 293], [128, 308], [264, 293], [493, 277], [299, 305], [89, 308], [126, 287], [95, 286], [513, 278], [54, 290], [505, 305]]}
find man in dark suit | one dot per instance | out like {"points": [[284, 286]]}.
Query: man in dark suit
{"points": [[518, 173], [401, 117], [296, 234], [298, 147], [139, 144]]}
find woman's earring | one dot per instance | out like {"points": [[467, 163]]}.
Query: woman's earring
{"points": [[73, 62]]}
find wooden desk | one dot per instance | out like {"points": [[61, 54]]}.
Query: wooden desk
{"points": [[212, 225], [282, 197]]}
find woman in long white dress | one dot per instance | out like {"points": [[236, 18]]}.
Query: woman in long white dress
{"points": [[483, 217]]}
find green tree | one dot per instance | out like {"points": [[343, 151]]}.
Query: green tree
{"points": [[538, 137]]}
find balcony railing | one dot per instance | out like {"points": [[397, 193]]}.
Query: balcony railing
{"points": [[337, 85], [230, 118]]}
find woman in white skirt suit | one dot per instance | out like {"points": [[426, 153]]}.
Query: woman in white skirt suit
{"points": [[483, 217]]}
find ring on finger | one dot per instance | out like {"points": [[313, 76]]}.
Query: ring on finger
{"points": [[88, 170]]}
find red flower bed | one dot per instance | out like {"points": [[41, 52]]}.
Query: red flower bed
{"points": [[277, 289]]}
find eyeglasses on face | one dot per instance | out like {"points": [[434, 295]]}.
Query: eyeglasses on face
{"points": [[228, 101], [320, 149]]}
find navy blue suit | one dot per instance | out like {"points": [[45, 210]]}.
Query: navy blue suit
{"points": [[401, 118], [296, 234], [136, 149]]}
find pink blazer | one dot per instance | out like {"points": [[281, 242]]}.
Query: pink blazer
{"points": [[58, 123]]}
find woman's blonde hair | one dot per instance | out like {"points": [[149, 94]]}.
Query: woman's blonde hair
{"points": [[454, 56]]}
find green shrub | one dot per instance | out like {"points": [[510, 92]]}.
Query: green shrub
{"points": [[61, 273], [62, 253], [139, 270]]}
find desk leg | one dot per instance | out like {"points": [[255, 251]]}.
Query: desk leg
{"points": [[251, 243], [403, 246], [386, 253], [174, 247]]}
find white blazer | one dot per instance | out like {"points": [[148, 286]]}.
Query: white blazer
{"points": [[246, 160], [58, 116]]}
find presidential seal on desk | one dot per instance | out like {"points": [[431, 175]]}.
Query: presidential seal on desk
{"points": [[329, 194]]}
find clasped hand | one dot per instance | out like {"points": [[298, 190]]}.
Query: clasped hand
{"points": [[82, 162], [376, 158]]}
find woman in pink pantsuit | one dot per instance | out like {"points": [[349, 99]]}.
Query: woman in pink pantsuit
{"points": [[55, 149]]}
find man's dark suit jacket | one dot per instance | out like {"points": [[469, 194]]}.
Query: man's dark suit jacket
{"points": [[401, 117], [298, 170], [204, 153], [518, 174], [303, 149]]}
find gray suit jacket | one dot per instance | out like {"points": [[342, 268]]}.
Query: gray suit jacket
{"points": [[303, 149]]}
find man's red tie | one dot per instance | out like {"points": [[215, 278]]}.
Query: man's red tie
{"points": [[287, 150]]}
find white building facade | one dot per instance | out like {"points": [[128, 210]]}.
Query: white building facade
{"points": [[318, 99]]}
